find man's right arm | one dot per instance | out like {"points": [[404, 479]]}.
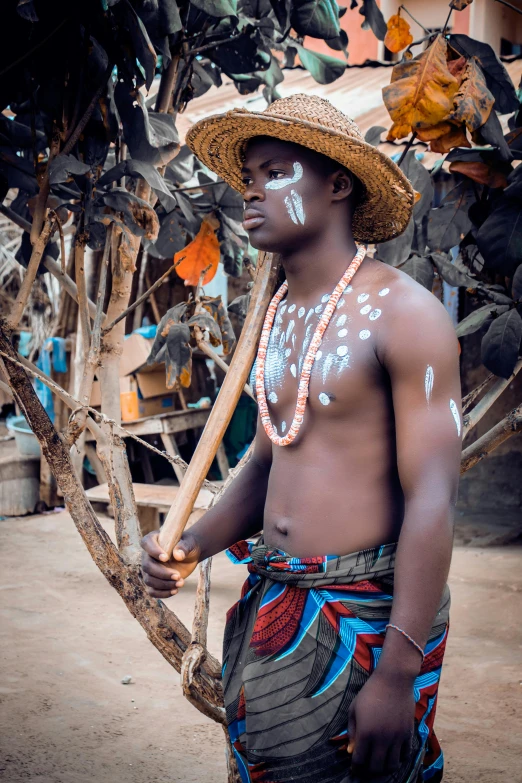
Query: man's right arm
{"points": [[237, 515]]}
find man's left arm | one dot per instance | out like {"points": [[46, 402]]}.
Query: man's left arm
{"points": [[419, 350]]}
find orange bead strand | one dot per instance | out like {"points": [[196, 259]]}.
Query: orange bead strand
{"points": [[304, 380]]}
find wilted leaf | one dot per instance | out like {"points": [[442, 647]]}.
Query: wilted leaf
{"points": [[478, 318], [497, 78], [239, 306], [316, 18], [499, 238], [517, 284], [480, 172], [373, 18], [420, 269], [473, 101], [199, 254], [63, 167], [460, 5], [455, 137], [501, 344], [450, 273], [214, 306], [139, 216], [178, 356], [421, 93], [207, 324], [373, 135], [398, 35], [322, 67]]}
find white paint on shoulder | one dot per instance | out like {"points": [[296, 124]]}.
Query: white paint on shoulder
{"points": [[428, 383], [365, 309], [342, 350], [341, 320], [301, 312], [375, 314], [342, 332], [384, 291], [364, 334], [291, 308], [455, 413], [362, 298]]}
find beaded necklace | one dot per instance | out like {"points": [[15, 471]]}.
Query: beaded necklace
{"points": [[304, 380]]}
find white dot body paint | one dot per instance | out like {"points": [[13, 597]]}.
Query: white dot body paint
{"points": [[293, 370], [325, 298], [342, 350], [318, 356], [283, 309], [341, 320], [291, 308], [340, 303], [428, 383], [283, 426], [288, 351], [277, 184], [348, 289], [365, 309], [301, 312], [289, 330], [273, 397], [293, 340], [364, 334], [324, 399], [362, 298], [309, 313], [384, 291], [318, 309], [342, 332], [455, 413], [375, 314]]}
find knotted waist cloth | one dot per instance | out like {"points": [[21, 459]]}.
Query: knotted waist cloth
{"points": [[299, 645]]}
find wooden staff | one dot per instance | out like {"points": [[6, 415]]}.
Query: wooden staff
{"points": [[174, 525]]}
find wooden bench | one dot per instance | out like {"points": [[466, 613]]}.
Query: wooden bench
{"points": [[153, 502]]}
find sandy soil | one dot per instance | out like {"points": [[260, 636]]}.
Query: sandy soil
{"points": [[68, 640]]}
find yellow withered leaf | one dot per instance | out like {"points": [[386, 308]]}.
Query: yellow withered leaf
{"points": [[473, 101], [421, 91], [455, 137], [460, 5], [398, 36], [199, 254]]}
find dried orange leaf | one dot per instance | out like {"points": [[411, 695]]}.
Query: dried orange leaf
{"points": [[434, 132], [455, 137], [421, 92], [199, 254], [460, 5], [480, 172], [398, 36], [473, 101]]}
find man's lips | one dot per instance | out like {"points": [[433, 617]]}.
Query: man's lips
{"points": [[252, 218]]}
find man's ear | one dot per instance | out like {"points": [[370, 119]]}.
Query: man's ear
{"points": [[342, 184]]}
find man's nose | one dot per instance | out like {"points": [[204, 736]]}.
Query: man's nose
{"points": [[254, 192]]}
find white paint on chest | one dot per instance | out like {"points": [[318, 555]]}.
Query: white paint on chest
{"points": [[340, 303], [293, 370], [291, 308], [342, 350], [428, 383], [364, 334], [301, 312], [365, 309], [277, 184], [325, 298], [375, 314], [362, 298], [324, 398], [309, 313], [272, 397], [384, 291], [289, 330], [455, 413], [342, 332], [341, 320]]}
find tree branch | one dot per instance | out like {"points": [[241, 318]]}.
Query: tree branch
{"points": [[34, 262], [472, 418], [505, 428], [470, 398]]}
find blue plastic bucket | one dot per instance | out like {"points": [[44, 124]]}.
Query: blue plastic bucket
{"points": [[26, 441]]}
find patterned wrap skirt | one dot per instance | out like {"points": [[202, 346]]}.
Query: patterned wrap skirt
{"points": [[299, 645]]}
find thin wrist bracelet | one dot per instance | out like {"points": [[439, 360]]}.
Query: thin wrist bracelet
{"points": [[408, 637]]}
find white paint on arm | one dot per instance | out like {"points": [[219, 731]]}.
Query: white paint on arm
{"points": [[455, 413], [428, 383]]}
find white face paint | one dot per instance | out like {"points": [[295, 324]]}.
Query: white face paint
{"points": [[455, 413], [277, 184], [290, 209], [365, 309], [384, 291], [364, 334], [428, 383], [301, 312], [362, 298], [297, 202], [375, 314]]}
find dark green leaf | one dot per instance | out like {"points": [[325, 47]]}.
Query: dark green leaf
{"points": [[171, 238], [478, 318], [316, 18], [373, 135], [151, 137], [216, 8], [339, 43], [137, 168], [497, 78], [517, 284], [499, 238], [245, 54], [450, 222], [450, 274], [501, 344], [420, 178], [63, 167], [141, 43], [491, 133], [273, 76], [373, 18], [323, 68], [205, 75], [420, 269], [396, 251], [181, 169], [239, 306], [26, 9]]}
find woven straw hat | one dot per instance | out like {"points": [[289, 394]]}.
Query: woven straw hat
{"points": [[386, 206]]}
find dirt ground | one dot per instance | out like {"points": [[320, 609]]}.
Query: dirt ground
{"points": [[68, 640]]}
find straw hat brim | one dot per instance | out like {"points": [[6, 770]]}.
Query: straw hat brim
{"points": [[386, 206]]}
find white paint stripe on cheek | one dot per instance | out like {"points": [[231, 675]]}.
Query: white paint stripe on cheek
{"points": [[455, 413], [298, 206], [290, 208], [277, 184], [428, 383]]}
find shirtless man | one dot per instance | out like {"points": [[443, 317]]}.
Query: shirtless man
{"points": [[318, 686]]}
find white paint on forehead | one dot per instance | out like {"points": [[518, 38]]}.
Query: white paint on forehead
{"points": [[342, 332], [301, 312], [455, 413], [340, 303], [365, 309], [298, 206], [273, 397], [309, 313], [384, 291], [277, 184], [293, 370], [362, 298], [289, 330], [429, 377], [291, 308], [341, 320], [375, 314], [290, 209], [324, 399], [364, 334]]}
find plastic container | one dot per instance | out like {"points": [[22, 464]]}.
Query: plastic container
{"points": [[26, 441]]}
